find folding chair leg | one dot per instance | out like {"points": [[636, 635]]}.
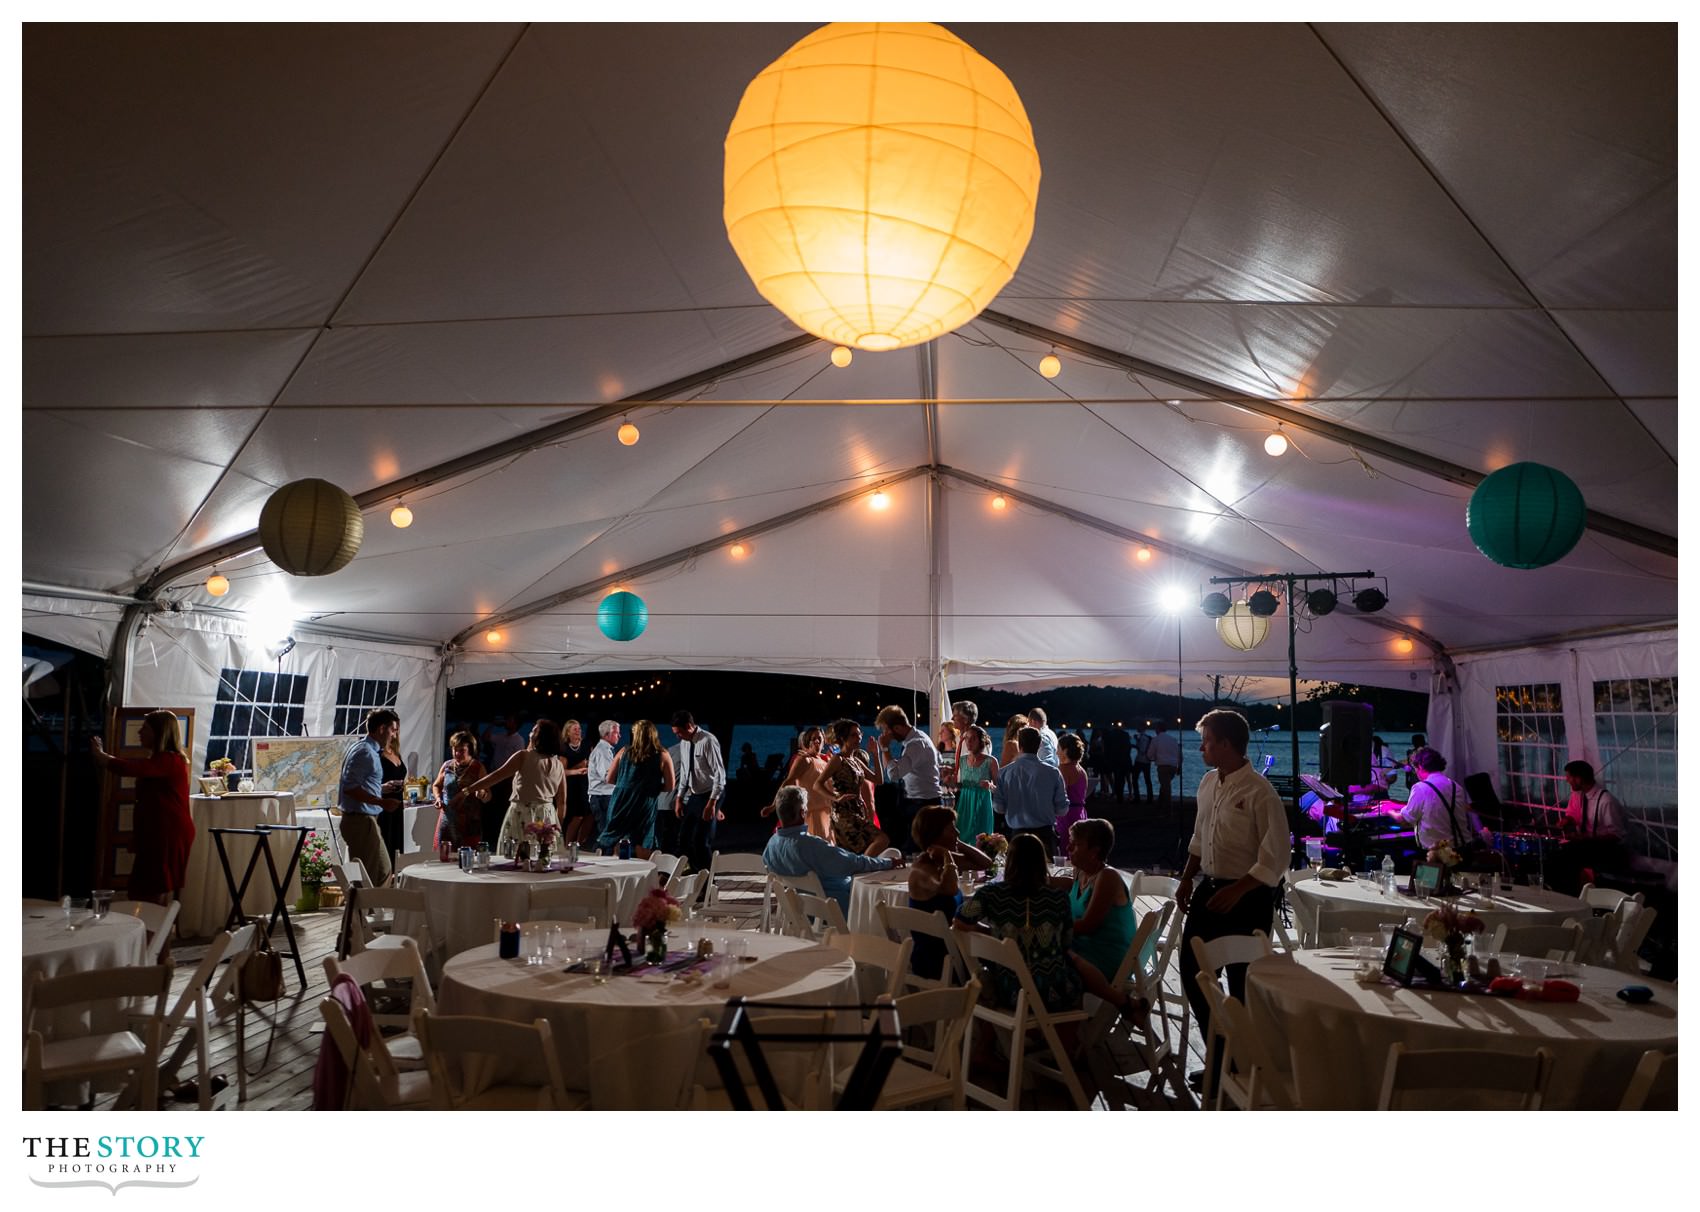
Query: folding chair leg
{"points": [[1017, 1053], [203, 1064], [1065, 1067]]}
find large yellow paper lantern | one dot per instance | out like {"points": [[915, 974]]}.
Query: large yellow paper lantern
{"points": [[881, 180], [1241, 629], [311, 528]]}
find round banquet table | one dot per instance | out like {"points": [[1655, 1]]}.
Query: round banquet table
{"points": [[1595, 1042], [205, 899], [461, 906], [868, 891], [631, 1040], [1360, 905], [116, 941]]}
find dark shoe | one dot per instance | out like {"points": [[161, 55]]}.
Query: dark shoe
{"points": [[1195, 1081]]}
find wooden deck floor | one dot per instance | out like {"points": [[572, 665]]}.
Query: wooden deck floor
{"points": [[284, 1082]]}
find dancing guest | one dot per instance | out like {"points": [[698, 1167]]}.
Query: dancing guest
{"points": [[793, 851], [1011, 731], [917, 767], [539, 777], [1076, 783], [596, 779], [575, 752], [1047, 739], [1023, 906], [1030, 794], [163, 830], [459, 820], [642, 774], [702, 785], [848, 783], [807, 766], [933, 881], [395, 784], [974, 777]]}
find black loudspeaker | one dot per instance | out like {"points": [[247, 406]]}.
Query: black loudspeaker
{"points": [[1346, 732]]}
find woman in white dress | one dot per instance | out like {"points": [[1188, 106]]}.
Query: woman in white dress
{"points": [[540, 783]]}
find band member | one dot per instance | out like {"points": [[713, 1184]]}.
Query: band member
{"points": [[1594, 829]]}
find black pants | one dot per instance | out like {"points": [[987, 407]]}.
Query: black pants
{"points": [[1165, 776], [1255, 911], [695, 836], [1047, 835], [667, 829], [1142, 770], [898, 831]]}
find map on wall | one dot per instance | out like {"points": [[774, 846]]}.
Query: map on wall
{"points": [[306, 765]]}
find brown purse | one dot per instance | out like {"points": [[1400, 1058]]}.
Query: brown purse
{"points": [[262, 971]]}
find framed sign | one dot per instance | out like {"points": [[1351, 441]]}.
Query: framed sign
{"points": [[1405, 962], [1426, 878]]}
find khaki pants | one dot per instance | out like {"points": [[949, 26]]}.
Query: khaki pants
{"points": [[360, 835]]}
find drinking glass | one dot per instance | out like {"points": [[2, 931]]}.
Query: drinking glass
{"points": [[102, 902]]}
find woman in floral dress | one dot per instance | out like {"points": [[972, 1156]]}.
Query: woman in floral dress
{"points": [[849, 784]]}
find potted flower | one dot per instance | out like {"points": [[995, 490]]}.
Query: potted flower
{"points": [[314, 866], [1449, 926], [653, 915], [541, 835]]}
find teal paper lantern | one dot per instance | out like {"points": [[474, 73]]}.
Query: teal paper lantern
{"points": [[1526, 515], [622, 616]]}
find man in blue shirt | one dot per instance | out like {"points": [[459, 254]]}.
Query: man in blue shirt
{"points": [[361, 795], [792, 851], [1029, 793]]}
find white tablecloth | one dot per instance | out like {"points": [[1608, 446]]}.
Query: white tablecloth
{"points": [[627, 1041], [116, 941], [462, 905], [205, 899], [1595, 1042], [868, 891], [1357, 904]]}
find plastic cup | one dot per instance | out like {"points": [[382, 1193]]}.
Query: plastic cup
{"points": [[102, 902]]}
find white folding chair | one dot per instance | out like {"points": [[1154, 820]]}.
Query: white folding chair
{"points": [[380, 973], [1652, 1087], [1142, 884], [738, 888], [468, 1054], [403, 860], [1626, 932], [815, 918], [1236, 1067], [374, 1083], [578, 901], [687, 889], [1050, 1058], [1559, 943], [667, 867], [1606, 899], [1304, 916], [803, 1069], [371, 918], [82, 1058], [349, 874], [157, 920], [1120, 1045], [195, 1002], [1464, 1080], [900, 921], [929, 1072], [875, 951]]}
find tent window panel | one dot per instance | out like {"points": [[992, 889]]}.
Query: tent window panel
{"points": [[356, 696], [298, 689], [226, 686], [1635, 732], [247, 684], [1532, 743], [254, 703], [1664, 695]]}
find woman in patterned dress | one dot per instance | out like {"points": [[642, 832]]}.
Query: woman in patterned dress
{"points": [[459, 821], [1023, 906], [848, 782]]}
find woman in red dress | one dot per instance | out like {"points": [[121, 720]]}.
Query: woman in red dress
{"points": [[163, 831]]}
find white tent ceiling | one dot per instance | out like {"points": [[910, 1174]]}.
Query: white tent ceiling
{"points": [[254, 254]]}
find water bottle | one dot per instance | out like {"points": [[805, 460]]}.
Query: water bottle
{"points": [[1387, 874]]}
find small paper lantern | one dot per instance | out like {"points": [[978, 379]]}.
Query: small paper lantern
{"points": [[1241, 629], [311, 528], [1526, 515], [622, 616], [880, 183]]}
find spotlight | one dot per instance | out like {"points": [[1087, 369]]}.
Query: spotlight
{"points": [[1216, 605], [1368, 601], [1322, 601], [1263, 603]]}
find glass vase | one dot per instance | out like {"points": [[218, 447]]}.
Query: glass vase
{"points": [[655, 946]]}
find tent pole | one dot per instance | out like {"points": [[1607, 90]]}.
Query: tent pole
{"points": [[935, 506], [1293, 701]]}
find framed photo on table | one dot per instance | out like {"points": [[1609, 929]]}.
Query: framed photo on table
{"points": [[1426, 878]]}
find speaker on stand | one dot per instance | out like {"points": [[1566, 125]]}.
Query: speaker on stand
{"points": [[1345, 743]]}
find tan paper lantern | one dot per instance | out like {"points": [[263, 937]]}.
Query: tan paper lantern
{"points": [[881, 180], [1241, 629], [311, 527]]}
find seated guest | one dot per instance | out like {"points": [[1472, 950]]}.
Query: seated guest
{"points": [[792, 850], [1023, 906], [1103, 910], [932, 880], [1438, 806], [1030, 794], [1593, 825], [1325, 815]]}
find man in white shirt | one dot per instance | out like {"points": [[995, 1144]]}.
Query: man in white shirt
{"points": [[918, 768], [1047, 738], [1239, 853], [599, 789], [1438, 806], [697, 796], [1165, 754], [1593, 823]]}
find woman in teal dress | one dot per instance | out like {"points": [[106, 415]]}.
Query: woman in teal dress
{"points": [[973, 778], [1103, 926], [642, 774]]}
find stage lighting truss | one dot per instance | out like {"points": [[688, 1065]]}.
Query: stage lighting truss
{"points": [[1309, 596]]}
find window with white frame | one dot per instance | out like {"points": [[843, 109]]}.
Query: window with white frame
{"points": [[356, 696], [1532, 745], [1635, 728], [253, 703]]}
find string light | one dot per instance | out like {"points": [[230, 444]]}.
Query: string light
{"points": [[218, 584], [879, 500], [493, 636], [401, 517], [1000, 502], [1275, 444], [738, 551], [1404, 645], [1143, 555], [841, 356], [1050, 365], [628, 434]]}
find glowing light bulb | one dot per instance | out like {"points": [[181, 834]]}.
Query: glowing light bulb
{"points": [[1050, 366], [1143, 555], [1275, 444], [738, 551], [628, 434], [1404, 645], [841, 356], [493, 636], [1000, 502], [401, 517], [218, 584], [879, 500]]}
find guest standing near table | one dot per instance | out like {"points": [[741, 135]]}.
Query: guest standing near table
{"points": [[1239, 844], [575, 752], [643, 774], [1165, 754], [1030, 794], [597, 785], [459, 821], [917, 767], [1076, 784], [395, 784], [702, 785], [162, 829], [361, 795], [974, 777], [539, 783], [1011, 730], [500, 745], [1037, 718]]}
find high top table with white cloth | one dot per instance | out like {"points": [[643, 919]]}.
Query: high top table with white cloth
{"points": [[1360, 905], [116, 941], [461, 906], [1314, 996], [628, 1041], [205, 899]]}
